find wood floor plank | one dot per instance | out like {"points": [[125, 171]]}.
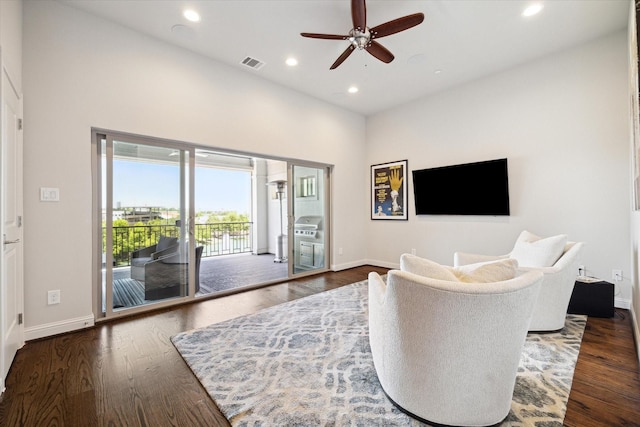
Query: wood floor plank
{"points": [[127, 373], [606, 382]]}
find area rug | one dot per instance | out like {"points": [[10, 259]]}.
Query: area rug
{"points": [[308, 363], [127, 293]]}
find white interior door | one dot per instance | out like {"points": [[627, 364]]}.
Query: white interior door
{"points": [[11, 273]]}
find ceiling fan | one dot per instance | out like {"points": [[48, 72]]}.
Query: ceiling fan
{"points": [[362, 37]]}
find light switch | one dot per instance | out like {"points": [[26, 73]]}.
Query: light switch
{"points": [[49, 194]]}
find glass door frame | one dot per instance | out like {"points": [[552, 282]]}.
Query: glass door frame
{"points": [[98, 134], [326, 212], [186, 213]]}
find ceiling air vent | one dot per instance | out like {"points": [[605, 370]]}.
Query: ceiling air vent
{"points": [[254, 63]]}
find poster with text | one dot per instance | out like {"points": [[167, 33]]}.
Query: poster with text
{"points": [[389, 191]]}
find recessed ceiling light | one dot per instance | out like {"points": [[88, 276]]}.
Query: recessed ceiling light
{"points": [[532, 9], [191, 15], [352, 89], [437, 71], [291, 62]]}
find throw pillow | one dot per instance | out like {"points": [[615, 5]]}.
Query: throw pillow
{"points": [[487, 272], [424, 267], [534, 251]]}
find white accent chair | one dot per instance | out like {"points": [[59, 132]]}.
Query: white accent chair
{"points": [[551, 307], [447, 352]]}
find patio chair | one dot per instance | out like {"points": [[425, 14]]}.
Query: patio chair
{"points": [[168, 276], [165, 246]]}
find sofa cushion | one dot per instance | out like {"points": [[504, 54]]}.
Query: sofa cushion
{"points": [[427, 268], [534, 251], [487, 272], [482, 272]]}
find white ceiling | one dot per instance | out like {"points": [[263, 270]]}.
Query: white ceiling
{"points": [[465, 39]]}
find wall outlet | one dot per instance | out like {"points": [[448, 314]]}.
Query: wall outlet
{"points": [[53, 297], [616, 275], [340, 251], [413, 251]]}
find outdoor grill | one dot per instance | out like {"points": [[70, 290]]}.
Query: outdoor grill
{"points": [[307, 226], [309, 242]]}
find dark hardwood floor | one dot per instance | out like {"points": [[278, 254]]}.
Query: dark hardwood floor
{"points": [[127, 372]]}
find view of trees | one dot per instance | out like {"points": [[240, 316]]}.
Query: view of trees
{"points": [[210, 229]]}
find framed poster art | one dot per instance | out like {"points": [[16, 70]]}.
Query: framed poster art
{"points": [[389, 191]]}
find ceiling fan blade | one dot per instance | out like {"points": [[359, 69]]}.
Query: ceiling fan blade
{"points": [[324, 36], [359, 14], [342, 57], [380, 52], [397, 25]]}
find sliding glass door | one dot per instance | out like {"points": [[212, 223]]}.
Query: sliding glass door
{"points": [[176, 222], [145, 248]]}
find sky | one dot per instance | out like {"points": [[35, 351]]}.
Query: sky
{"points": [[156, 185]]}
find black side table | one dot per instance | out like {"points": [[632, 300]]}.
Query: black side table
{"points": [[593, 298]]}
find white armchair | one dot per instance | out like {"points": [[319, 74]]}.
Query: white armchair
{"points": [[447, 352], [551, 307]]}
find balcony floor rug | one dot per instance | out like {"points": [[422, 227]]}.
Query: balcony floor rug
{"points": [[307, 362], [127, 293]]}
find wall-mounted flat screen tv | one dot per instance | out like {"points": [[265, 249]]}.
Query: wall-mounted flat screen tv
{"points": [[480, 188]]}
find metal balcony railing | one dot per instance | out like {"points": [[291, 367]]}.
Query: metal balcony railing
{"points": [[217, 238]]}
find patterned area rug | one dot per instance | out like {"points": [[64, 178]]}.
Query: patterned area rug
{"points": [[308, 363], [127, 293]]}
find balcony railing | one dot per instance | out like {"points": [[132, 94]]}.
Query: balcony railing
{"points": [[217, 238]]}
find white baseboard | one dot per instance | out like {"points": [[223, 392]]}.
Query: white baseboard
{"points": [[55, 328], [384, 264], [347, 265], [622, 303], [360, 263]]}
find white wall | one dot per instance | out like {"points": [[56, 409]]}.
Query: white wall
{"points": [[81, 71], [277, 172], [260, 199], [634, 133], [562, 123], [11, 38]]}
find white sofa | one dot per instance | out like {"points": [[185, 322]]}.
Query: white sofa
{"points": [[559, 279], [447, 352]]}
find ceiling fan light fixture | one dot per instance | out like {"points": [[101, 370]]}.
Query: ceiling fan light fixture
{"points": [[360, 39]]}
